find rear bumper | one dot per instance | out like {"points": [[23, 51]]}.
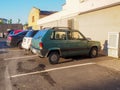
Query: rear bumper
{"points": [[37, 51], [27, 47]]}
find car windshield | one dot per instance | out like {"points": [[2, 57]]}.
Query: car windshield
{"points": [[31, 33], [40, 34]]}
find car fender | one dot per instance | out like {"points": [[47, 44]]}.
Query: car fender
{"points": [[53, 49], [94, 44]]}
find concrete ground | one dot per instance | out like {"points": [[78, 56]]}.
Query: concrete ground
{"points": [[19, 71], [113, 63]]}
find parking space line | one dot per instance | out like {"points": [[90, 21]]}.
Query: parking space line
{"points": [[8, 84], [14, 50], [52, 69], [22, 57], [2, 50], [10, 50]]}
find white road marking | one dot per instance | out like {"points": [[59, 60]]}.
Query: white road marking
{"points": [[10, 50], [2, 50], [14, 50], [22, 57], [52, 69], [8, 84]]}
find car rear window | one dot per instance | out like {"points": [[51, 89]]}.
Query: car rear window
{"points": [[12, 32], [40, 34], [31, 33]]}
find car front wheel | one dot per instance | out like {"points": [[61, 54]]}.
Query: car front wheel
{"points": [[93, 52], [54, 57]]}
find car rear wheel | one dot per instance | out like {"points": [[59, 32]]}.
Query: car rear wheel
{"points": [[93, 52], [20, 45], [54, 57]]}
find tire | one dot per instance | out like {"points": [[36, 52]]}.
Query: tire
{"points": [[20, 45], [93, 52], [54, 57]]}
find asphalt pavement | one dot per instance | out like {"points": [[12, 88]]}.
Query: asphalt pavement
{"points": [[19, 71], [113, 63]]}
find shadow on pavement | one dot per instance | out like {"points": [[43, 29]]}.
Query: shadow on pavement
{"points": [[78, 58], [2, 52], [40, 67]]}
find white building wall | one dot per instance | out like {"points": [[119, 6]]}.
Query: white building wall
{"points": [[97, 24], [85, 5], [93, 4], [74, 7], [60, 23]]}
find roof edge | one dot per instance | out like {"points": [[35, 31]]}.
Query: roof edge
{"points": [[100, 8]]}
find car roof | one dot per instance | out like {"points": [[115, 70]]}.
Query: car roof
{"points": [[60, 29]]}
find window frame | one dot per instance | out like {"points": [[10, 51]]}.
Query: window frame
{"points": [[71, 37], [52, 37]]}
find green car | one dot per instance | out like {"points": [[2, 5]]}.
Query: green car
{"points": [[62, 42]]}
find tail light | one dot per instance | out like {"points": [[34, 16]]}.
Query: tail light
{"points": [[10, 38], [41, 45]]}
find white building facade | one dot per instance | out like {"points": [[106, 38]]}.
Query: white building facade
{"points": [[94, 18]]}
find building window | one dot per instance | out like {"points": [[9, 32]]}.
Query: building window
{"points": [[33, 19]]}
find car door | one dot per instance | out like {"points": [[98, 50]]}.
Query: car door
{"points": [[59, 42], [77, 43]]}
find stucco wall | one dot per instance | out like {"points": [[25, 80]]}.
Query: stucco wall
{"points": [[51, 24], [97, 24], [34, 12], [57, 23]]}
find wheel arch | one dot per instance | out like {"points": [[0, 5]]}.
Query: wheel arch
{"points": [[19, 42], [54, 50], [93, 47]]}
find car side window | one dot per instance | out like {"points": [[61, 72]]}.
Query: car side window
{"points": [[58, 35], [74, 35]]}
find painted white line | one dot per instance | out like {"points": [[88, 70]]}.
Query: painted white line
{"points": [[2, 50], [52, 69], [22, 57], [10, 50], [14, 50], [8, 84]]}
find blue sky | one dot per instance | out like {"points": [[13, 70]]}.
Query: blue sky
{"points": [[19, 9]]}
